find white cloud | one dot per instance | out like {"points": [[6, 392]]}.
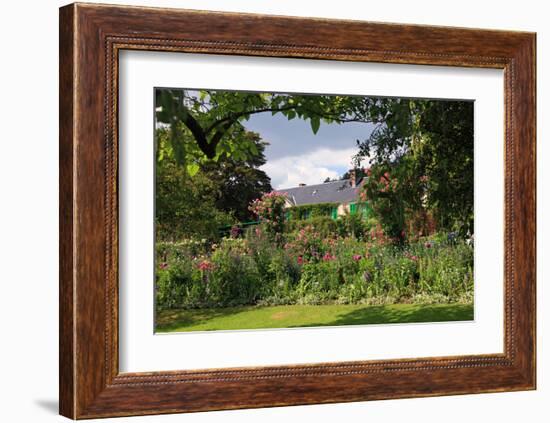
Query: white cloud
{"points": [[311, 168]]}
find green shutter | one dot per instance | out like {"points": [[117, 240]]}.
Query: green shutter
{"points": [[353, 208], [334, 213]]}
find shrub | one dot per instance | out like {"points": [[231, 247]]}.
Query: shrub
{"points": [[306, 245], [187, 247], [176, 285], [234, 279], [270, 209], [260, 247], [447, 270], [399, 276], [351, 225], [312, 269], [325, 226], [325, 276]]}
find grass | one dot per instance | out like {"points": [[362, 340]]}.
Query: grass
{"points": [[254, 317]]}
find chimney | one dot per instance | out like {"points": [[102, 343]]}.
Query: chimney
{"points": [[301, 184], [352, 178]]}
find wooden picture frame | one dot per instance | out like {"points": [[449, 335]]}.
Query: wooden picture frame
{"points": [[91, 36]]}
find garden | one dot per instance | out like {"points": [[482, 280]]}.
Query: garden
{"points": [[233, 253], [317, 261]]}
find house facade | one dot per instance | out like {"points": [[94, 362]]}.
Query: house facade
{"points": [[338, 198]]}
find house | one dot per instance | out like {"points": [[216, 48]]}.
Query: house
{"points": [[338, 198]]}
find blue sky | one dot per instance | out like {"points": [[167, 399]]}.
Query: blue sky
{"points": [[296, 155]]}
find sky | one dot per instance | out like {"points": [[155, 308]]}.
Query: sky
{"points": [[295, 155]]}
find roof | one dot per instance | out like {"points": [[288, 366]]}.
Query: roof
{"points": [[329, 192]]}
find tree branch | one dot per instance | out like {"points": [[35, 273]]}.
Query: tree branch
{"points": [[235, 116], [216, 138], [196, 129]]}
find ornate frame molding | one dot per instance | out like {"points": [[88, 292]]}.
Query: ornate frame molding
{"points": [[91, 37]]}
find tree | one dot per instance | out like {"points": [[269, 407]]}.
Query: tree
{"points": [[395, 192], [213, 119], [218, 194], [446, 156], [360, 173], [432, 139], [426, 146], [184, 206], [239, 182]]}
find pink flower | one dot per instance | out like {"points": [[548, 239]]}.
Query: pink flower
{"points": [[163, 265], [428, 244], [328, 257], [411, 257], [300, 260], [205, 265], [357, 257]]}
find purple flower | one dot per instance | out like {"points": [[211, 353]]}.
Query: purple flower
{"points": [[236, 232]]}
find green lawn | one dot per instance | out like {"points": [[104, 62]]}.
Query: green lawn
{"points": [[254, 317]]}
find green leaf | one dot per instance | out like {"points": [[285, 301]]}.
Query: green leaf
{"points": [[192, 169], [315, 124], [253, 149]]}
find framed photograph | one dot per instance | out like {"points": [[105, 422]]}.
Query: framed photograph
{"points": [[262, 211]]}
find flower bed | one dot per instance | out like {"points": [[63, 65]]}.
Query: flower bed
{"points": [[305, 267]]}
